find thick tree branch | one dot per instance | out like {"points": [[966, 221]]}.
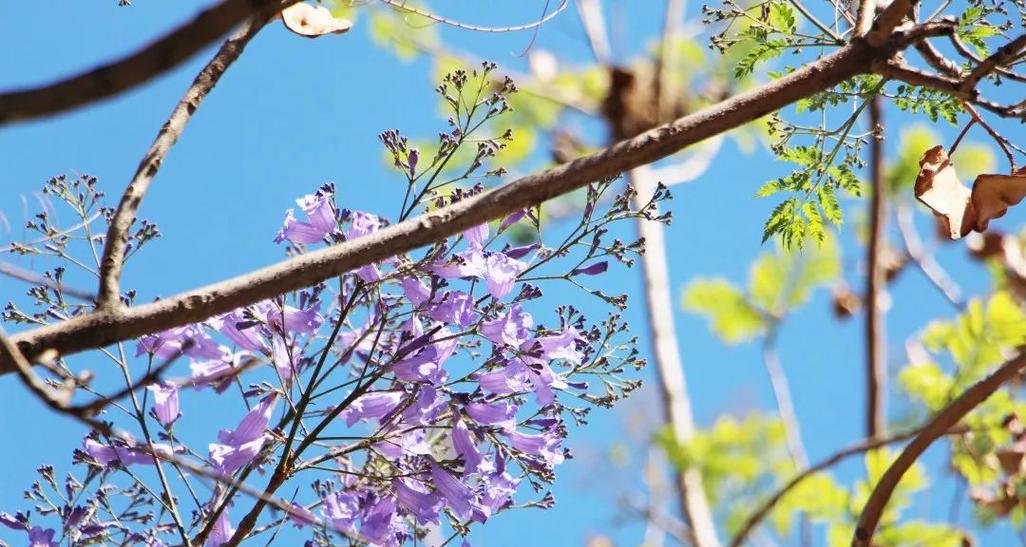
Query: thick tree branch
{"points": [[117, 235], [941, 422], [108, 326], [876, 283], [968, 54], [137, 68], [1004, 55]]}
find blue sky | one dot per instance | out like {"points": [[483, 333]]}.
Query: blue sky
{"points": [[294, 113]]}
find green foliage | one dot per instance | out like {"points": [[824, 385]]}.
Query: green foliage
{"points": [[974, 29], [777, 283], [934, 104]]}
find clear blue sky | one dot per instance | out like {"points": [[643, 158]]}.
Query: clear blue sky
{"points": [[294, 113]]}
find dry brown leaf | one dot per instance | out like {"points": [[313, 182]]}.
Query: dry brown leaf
{"points": [[938, 187], [845, 302], [992, 195], [312, 21]]}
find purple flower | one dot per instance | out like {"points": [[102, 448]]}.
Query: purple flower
{"points": [[511, 329], [361, 224], [381, 524], [236, 448], [14, 522], [289, 319], [342, 509], [499, 487], [320, 210], [512, 219], [559, 346], [547, 445], [320, 213], [459, 496], [245, 333], [415, 291], [592, 269], [476, 236], [520, 252], [374, 405], [423, 505], [39, 537], [501, 272], [221, 532], [512, 378], [190, 340], [301, 516], [455, 308], [165, 402], [123, 455], [412, 159], [470, 263], [285, 359], [498, 414], [464, 445], [216, 372]]}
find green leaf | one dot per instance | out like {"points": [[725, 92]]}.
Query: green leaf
{"points": [[730, 316]]}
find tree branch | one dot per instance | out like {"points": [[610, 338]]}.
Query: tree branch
{"points": [[105, 327], [1004, 55], [859, 448], [669, 368], [117, 235], [876, 283], [941, 422], [137, 68], [930, 268]]}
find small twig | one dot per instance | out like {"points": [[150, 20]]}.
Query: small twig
{"points": [[31, 277], [967, 53], [936, 427], [961, 135], [137, 68], [861, 447], [930, 268], [402, 6], [1002, 142], [1003, 56], [120, 225]]}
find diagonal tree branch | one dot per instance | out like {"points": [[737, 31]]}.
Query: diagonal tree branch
{"points": [[108, 326], [121, 224], [137, 68], [941, 422]]}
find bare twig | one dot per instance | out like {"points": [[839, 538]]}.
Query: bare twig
{"points": [[121, 224], [669, 368], [930, 268], [876, 283], [941, 422], [785, 403], [137, 68], [1002, 142], [667, 63], [403, 6], [27, 276]]}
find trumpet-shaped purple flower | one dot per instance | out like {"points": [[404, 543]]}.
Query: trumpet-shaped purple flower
{"points": [[547, 446], [455, 308], [415, 291], [40, 537], [382, 524], [221, 532], [372, 406], [342, 509], [123, 455], [511, 328], [236, 448], [458, 496], [464, 444], [189, 340], [421, 504], [165, 402], [320, 214], [497, 414], [501, 273], [216, 372], [592, 269], [476, 236], [245, 333]]}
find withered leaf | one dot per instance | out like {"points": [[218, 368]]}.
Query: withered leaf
{"points": [[994, 194], [962, 210], [312, 21], [938, 187]]}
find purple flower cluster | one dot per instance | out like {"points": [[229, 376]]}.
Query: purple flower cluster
{"points": [[416, 392]]}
